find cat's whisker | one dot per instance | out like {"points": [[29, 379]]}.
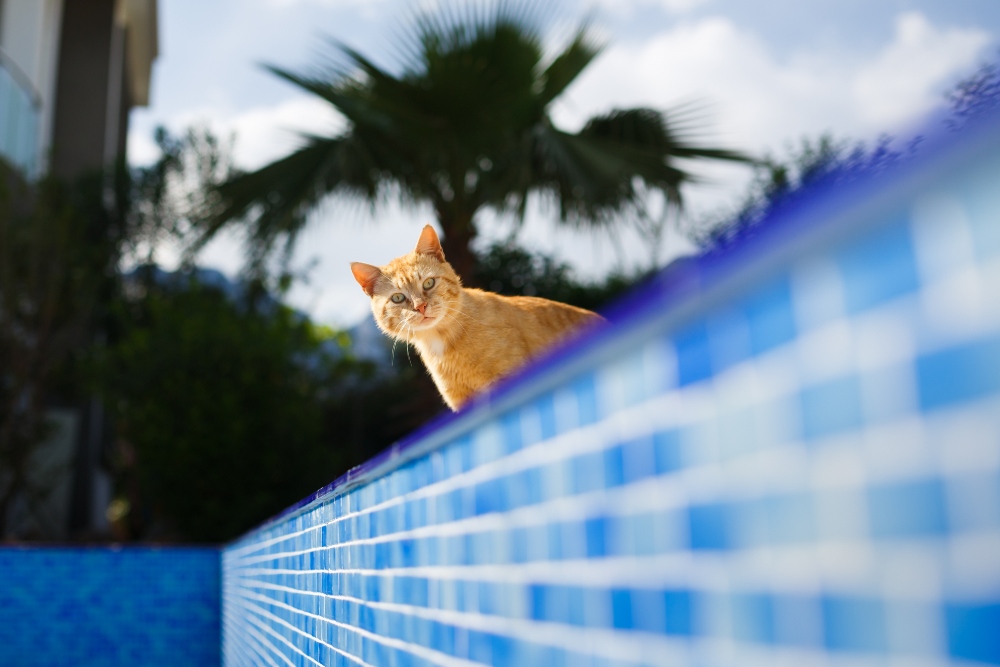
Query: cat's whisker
{"points": [[460, 312], [451, 309], [398, 336], [408, 345]]}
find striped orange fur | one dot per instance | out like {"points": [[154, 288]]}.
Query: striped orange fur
{"points": [[467, 338]]}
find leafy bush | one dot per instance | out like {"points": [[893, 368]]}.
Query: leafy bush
{"points": [[219, 409], [509, 269]]}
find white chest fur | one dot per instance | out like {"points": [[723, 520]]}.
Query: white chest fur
{"points": [[433, 345]]}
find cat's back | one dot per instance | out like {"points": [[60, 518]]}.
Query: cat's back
{"points": [[537, 319]]}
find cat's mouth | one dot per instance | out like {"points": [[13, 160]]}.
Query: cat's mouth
{"points": [[425, 322]]}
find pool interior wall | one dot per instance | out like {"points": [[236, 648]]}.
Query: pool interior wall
{"points": [[97, 607]]}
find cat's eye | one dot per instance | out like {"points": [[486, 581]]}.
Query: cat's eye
{"points": [[429, 283], [398, 297]]}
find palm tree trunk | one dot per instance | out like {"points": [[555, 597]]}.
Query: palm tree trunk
{"points": [[459, 232]]}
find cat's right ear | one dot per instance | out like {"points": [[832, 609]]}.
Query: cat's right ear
{"points": [[429, 244], [366, 275]]}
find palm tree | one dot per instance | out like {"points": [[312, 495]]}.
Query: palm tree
{"points": [[464, 126]]}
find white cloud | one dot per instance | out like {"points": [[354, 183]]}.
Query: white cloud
{"points": [[262, 134], [265, 134], [759, 102], [671, 6], [906, 77]]}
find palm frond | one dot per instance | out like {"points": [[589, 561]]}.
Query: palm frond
{"points": [[463, 123], [568, 65], [275, 199]]}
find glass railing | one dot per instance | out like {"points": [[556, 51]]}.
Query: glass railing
{"points": [[19, 112]]}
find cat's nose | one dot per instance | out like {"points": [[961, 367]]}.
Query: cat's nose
{"points": [[421, 307]]}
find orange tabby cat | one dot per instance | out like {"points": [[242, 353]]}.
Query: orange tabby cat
{"points": [[467, 338]]}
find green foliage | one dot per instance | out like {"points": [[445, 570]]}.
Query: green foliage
{"points": [[464, 125], [223, 406], [976, 95], [509, 269], [161, 201], [778, 181], [57, 249]]}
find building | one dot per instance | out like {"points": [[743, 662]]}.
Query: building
{"points": [[70, 72]]}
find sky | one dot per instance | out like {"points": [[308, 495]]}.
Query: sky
{"points": [[765, 73]]}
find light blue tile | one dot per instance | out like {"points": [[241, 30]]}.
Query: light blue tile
{"points": [[831, 407], [908, 509], [958, 374], [854, 624], [879, 267]]}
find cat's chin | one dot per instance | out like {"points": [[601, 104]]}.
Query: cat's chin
{"points": [[426, 324]]}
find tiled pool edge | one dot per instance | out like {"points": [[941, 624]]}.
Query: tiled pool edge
{"points": [[614, 502], [830, 211]]}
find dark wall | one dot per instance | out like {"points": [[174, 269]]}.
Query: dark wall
{"points": [[86, 49]]}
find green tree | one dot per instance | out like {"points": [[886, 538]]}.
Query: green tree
{"points": [[509, 269], [59, 243], [779, 181], [219, 407], [464, 125]]}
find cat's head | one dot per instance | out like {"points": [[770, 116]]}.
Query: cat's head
{"points": [[415, 293]]}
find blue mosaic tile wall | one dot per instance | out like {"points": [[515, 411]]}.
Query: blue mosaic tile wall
{"points": [[789, 455], [97, 607]]}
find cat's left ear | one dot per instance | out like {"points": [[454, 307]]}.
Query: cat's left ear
{"points": [[429, 244], [366, 275]]}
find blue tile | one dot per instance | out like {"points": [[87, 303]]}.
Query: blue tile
{"points": [[588, 472], [585, 391], [678, 616], [753, 618], [668, 454], [487, 596], [973, 632], [613, 464], [490, 496], [708, 526], [102, 606], [545, 404], [480, 647], [576, 605], [694, 360], [959, 374], [831, 407], [596, 536], [537, 601], [510, 426], [556, 548], [729, 338], [879, 267], [621, 608], [643, 529], [853, 624], [790, 518], [443, 637], [769, 315], [908, 509], [638, 459], [502, 651], [519, 545]]}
